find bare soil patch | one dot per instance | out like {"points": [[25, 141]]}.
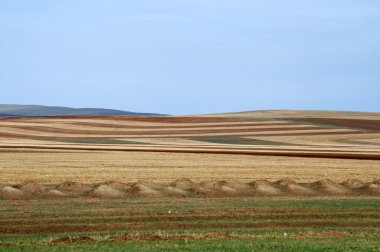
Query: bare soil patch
{"points": [[143, 190], [329, 187], [187, 188], [9, 192], [73, 187], [353, 183], [33, 188], [106, 191]]}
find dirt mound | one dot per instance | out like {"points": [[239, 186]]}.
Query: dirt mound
{"points": [[372, 188], [331, 188], [211, 184], [286, 182], [106, 191], [54, 192], [259, 182], [203, 191], [9, 192], [143, 190], [117, 185], [297, 189], [73, 187], [33, 188], [353, 183], [221, 188], [148, 183], [238, 186], [376, 181], [227, 190], [173, 191], [184, 184], [265, 188]]}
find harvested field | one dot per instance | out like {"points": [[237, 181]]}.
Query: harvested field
{"points": [[54, 167], [222, 134], [253, 181]]}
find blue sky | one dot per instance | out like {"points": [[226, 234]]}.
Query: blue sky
{"points": [[188, 57]]}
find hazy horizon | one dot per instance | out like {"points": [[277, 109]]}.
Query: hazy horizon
{"points": [[196, 57]]}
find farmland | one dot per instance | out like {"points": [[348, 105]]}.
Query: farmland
{"points": [[191, 224], [241, 181]]}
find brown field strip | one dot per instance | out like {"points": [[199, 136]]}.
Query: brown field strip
{"points": [[162, 119], [286, 153], [56, 166], [211, 142], [179, 126], [351, 123], [159, 132], [51, 136], [147, 216], [50, 228]]}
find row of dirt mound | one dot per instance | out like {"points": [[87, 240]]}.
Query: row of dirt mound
{"points": [[188, 188]]}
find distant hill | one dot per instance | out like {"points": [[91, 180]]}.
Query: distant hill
{"points": [[6, 115], [38, 110], [288, 114]]}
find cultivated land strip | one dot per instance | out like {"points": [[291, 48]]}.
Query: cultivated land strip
{"points": [[127, 133], [56, 224]]}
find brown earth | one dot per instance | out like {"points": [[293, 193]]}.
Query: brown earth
{"points": [[73, 187], [143, 190], [353, 183], [329, 187], [349, 123], [9, 192], [187, 188], [106, 191], [33, 188]]}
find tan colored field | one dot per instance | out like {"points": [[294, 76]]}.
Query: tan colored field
{"points": [[119, 183], [302, 145], [57, 166]]}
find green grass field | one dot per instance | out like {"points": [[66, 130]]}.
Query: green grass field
{"points": [[190, 224]]}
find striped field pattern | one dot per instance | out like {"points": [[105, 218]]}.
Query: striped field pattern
{"points": [[283, 133], [250, 181]]}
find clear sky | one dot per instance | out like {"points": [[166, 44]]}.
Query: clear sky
{"points": [[188, 57]]}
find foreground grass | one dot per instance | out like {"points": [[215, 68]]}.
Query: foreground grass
{"points": [[194, 224], [268, 244]]}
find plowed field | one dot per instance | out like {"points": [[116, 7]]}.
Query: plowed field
{"points": [[250, 181]]}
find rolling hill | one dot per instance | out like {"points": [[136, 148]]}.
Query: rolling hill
{"points": [[284, 133], [38, 110]]}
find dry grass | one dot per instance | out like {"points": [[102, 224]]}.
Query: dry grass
{"points": [[89, 166]]}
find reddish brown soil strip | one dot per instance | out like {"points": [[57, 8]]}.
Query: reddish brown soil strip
{"points": [[193, 214], [151, 237], [349, 123], [150, 218], [179, 126], [163, 119], [316, 154], [202, 236], [7, 244], [103, 226], [161, 132], [67, 239], [58, 138]]}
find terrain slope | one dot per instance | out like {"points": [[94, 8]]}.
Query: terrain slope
{"points": [[281, 133], [38, 110]]}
